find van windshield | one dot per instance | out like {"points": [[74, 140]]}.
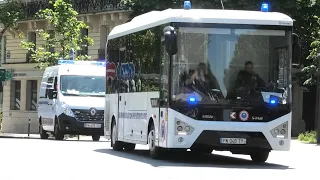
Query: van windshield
{"points": [[76, 85]]}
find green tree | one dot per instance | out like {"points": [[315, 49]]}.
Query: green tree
{"points": [[312, 69], [67, 28], [10, 13]]}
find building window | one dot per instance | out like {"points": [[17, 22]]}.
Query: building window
{"points": [[52, 35], [32, 96], [3, 50], [84, 46], [104, 32], [15, 95]]}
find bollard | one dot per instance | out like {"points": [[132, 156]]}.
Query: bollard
{"points": [[29, 128]]}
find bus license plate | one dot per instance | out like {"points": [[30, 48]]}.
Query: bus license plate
{"points": [[233, 141], [90, 125]]}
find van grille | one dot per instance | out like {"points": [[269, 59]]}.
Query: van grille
{"points": [[84, 115]]}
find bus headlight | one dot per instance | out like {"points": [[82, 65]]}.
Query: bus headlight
{"points": [[280, 131], [182, 128]]}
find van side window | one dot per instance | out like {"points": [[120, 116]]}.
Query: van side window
{"points": [[49, 85]]}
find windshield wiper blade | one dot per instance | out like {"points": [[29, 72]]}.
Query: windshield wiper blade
{"points": [[96, 95], [67, 94]]}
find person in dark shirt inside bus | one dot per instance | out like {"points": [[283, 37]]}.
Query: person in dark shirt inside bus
{"points": [[248, 78]]}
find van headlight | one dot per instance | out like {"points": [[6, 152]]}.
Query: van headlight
{"points": [[67, 110]]}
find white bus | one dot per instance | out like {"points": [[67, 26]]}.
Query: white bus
{"points": [[219, 80]]}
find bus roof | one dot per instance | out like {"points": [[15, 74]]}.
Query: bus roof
{"points": [[155, 18]]}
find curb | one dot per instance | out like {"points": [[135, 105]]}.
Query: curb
{"points": [[17, 137]]}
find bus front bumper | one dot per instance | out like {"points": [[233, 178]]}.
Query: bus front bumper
{"points": [[230, 136]]}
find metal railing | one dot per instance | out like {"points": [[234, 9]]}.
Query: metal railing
{"points": [[30, 9]]}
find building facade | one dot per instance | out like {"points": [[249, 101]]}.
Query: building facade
{"points": [[20, 95]]}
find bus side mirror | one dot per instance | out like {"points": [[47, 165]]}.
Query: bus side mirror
{"points": [[296, 50], [170, 40]]}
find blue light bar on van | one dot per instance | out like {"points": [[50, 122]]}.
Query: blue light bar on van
{"points": [[187, 5], [93, 63], [265, 7]]}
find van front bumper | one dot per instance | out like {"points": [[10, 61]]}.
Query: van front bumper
{"points": [[69, 125]]}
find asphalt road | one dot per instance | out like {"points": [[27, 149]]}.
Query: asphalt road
{"points": [[35, 159]]}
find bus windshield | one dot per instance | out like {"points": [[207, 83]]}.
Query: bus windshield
{"points": [[221, 65], [77, 85]]}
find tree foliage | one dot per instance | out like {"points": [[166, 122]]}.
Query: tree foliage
{"points": [[10, 13], [67, 28], [311, 71]]}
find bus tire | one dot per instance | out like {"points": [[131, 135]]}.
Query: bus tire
{"points": [[116, 145], [154, 151], [129, 147], [259, 157], [202, 150]]}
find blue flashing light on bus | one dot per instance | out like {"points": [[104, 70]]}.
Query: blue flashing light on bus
{"points": [[274, 100], [187, 5], [192, 99], [265, 7], [94, 63]]}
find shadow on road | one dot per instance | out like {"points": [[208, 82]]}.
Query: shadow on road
{"points": [[188, 159]]}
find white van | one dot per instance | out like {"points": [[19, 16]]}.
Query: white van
{"points": [[71, 99]]}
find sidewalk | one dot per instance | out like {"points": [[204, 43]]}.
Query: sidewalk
{"points": [[19, 136], [37, 136]]}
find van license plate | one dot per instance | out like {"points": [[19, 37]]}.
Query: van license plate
{"points": [[90, 125], [233, 141]]}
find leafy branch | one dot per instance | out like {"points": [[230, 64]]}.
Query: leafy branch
{"points": [[66, 37], [311, 71], [10, 13]]}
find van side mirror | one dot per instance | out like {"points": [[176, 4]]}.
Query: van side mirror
{"points": [[52, 94], [170, 40], [296, 50]]}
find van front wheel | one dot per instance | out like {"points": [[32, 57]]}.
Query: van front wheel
{"points": [[58, 135], [42, 132], [95, 137]]}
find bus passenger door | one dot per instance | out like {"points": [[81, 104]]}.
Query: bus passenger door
{"points": [[122, 117], [163, 98]]}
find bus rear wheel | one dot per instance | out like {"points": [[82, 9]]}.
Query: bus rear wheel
{"points": [[116, 145], [259, 157], [154, 151], [129, 147]]}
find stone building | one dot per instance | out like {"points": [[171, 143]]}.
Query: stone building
{"points": [[20, 93]]}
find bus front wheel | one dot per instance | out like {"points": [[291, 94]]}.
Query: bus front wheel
{"points": [[259, 157], [153, 149]]}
